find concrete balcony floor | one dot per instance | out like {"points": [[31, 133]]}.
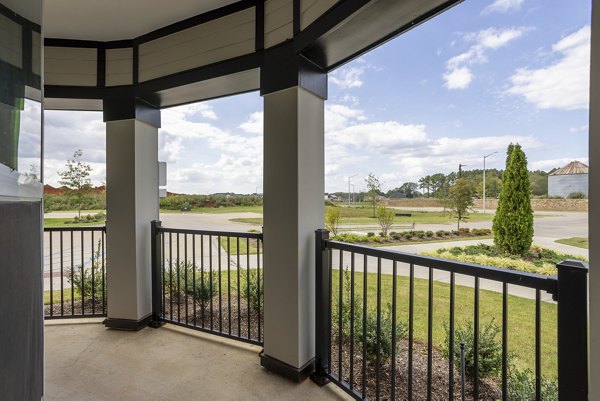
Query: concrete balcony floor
{"points": [[85, 361]]}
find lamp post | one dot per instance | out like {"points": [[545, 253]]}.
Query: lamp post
{"points": [[350, 179], [485, 157]]}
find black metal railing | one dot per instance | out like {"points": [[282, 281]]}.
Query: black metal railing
{"points": [[209, 280], [74, 272], [375, 353]]}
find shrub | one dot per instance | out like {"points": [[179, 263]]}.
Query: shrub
{"points": [[521, 385], [370, 234], [490, 348], [429, 234], [481, 231], [576, 195], [88, 285], [332, 219], [252, 289], [464, 231], [440, 233], [207, 285]]}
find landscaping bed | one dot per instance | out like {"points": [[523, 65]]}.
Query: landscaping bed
{"points": [[412, 236], [538, 260]]}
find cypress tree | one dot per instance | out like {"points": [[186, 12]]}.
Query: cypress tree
{"points": [[513, 222]]}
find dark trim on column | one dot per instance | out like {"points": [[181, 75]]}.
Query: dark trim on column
{"points": [[127, 324], [129, 109], [285, 370], [19, 19], [89, 44], [101, 68], [297, 16], [282, 69], [260, 25], [196, 20], [135, 73]]}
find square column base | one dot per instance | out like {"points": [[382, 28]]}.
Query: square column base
{"points": [[285, 370]]}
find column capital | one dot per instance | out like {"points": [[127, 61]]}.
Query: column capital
{"points": [[130, 109], [282, 68]]}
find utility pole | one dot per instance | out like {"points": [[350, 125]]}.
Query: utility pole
{"points": [[484, 157], [460, 166], [349, 193]]}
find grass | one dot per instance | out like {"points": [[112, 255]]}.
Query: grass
{"points": [[217, 210], [521, 315], [56, 296], [579, 242], [61, 222], [257, 221], [246, 247]]}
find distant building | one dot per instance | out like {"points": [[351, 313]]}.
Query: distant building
{"points": [[571, 178]]}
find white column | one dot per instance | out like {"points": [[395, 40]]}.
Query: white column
{"points": [[594, 205], [131, 204], [293, 210]]}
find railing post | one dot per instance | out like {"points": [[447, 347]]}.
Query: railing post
{"points": [[322, 312], [156, 275], [572, 331]]}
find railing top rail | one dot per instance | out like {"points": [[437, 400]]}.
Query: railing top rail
{"points": [[208, 232], [85, 228], [530, 280]]}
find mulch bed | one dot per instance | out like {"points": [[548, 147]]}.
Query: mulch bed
{"points": [[74, 308], [488, 389], [201, 315]]}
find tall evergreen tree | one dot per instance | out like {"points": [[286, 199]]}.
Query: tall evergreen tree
{"points": [[513, 222]]}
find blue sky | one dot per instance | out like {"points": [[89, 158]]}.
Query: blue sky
{"points": [[460, 86]]}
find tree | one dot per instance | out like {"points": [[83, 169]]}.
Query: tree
{"points": [[460, 200], [513, 222], [385, 218], [332, 219], [373, 189], [76, 178]]}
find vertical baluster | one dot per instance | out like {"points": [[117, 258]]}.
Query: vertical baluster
{"points": [[203, 302], [171, 276], [178, 269], [504, 341], [330, 300], [259, 291], [103, 234], [352, 321], [210, 276], [50, 277], [229, 283], [93, 260], [451, 343], [72, 276], [340, 314], [62, 269], [194, 300], [185, 276], [430, 335], [239, 308], [219, 284], [394, 289], [538, 346], [364, 329], [411, 304], [378, 347], [248, 283], [82, 275], [164, 276], [476, 341]]}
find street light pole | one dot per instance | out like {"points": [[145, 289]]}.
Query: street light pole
{"points": [[350, 179], [485, 157]]}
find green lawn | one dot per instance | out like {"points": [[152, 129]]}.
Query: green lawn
{"points": [[233, 246], [61, 222], [580, 242], [213, 210], [521, 315]]}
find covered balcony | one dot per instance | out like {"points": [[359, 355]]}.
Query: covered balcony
{"points": [[141, 309]]}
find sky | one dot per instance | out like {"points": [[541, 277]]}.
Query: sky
{"points": [[460, 86]]}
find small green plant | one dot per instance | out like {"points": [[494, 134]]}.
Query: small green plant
{"points": [[521, 385], [252, 287], [576, 195], [385, 218], [182, 278], [490, 348], [370, 234], [88, 285], [332, 219]]}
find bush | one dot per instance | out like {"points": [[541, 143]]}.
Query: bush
{"points": [[490, 348], [175, 282], [440, 233], [370, 234], [87, 285], [521, 386], [385, 218], [332, 219], [429, 234], [481, 231], [576, 195], [250, 288]]}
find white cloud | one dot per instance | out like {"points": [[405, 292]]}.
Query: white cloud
{"points": [[549, 164], [502, 6], [254, 124], [203, 110], [458, 78], [348, 77], [458, 73], [563, 85], [583, 128]]}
